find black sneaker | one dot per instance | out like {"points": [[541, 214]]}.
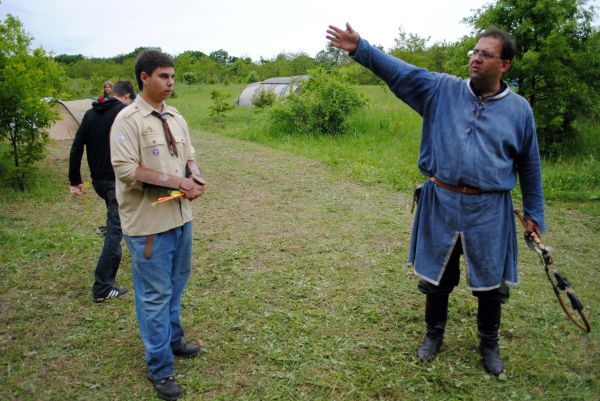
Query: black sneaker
{"points": [[113, 293], [187, 350], [167, 388]]}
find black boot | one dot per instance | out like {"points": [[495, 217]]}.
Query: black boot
{"points": [[436, 314], [488, 324]]}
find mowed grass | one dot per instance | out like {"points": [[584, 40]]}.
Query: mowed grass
{"points": [[299, 290]]}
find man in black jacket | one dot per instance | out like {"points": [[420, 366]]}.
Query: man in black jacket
{"points": [[94, 135]]}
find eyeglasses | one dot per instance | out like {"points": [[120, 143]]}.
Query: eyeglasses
{"points": [[482, 53]]}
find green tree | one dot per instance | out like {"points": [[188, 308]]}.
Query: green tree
{"points": [[332, 56], [557, 65], [26, 78], [219, 104], [190, 77]]}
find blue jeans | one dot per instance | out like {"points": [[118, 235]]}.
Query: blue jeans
{"points": [[159, 282], [110, 257]]}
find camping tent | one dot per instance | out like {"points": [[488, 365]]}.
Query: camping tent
{"points": [[71, 114], [280, 86]]}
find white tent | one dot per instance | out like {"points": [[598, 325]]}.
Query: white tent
{"points": [[281, 86], [71, 114]]}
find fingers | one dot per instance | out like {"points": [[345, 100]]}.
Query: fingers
{"points": [[335, 33], [532, 227], [195, 192], [77, 190]]}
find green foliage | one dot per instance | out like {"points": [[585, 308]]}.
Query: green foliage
{"points": [[27, 78], [264, 98], [410, 42], [252, 77], [190, 77], [322, 108], [557, 65], [219, 104]]}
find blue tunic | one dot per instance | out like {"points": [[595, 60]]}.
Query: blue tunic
{"points": [[466, 141]]}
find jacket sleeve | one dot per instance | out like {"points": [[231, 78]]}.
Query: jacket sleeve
{"points": [[529, 167], [414, 85], [81, 139]]}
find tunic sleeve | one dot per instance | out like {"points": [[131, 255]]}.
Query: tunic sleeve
{"points": [[530, 175], [410, 83]]}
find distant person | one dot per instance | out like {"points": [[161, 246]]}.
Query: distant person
{"points": [[152, 154], [477, 136], [107, 91], [93, 135]]}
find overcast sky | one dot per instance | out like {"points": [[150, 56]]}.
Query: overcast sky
{"points": [[244, 28]]}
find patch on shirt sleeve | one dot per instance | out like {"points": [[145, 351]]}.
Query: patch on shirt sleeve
{"points": [[121, 137]]}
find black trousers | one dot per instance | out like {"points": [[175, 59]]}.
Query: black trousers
{"points": [[110, 256], [451, 278]]}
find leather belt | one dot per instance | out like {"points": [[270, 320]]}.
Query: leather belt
{"points": [[454, 188]]}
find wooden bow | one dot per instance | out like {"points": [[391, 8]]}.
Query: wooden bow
{"points": [[559, 283]]}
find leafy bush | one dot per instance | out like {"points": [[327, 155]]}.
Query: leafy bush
{"points": [[264, 98], [321, 108], [252, 77], [219, 104]]}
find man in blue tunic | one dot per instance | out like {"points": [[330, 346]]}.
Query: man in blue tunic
{"points": [[477, 135]]}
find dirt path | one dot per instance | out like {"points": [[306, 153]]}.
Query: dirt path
{"points": [[275, 203]]}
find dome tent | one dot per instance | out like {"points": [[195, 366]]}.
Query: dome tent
{"points": [[281, 86], [71, 114]]}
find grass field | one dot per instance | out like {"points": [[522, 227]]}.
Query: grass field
{"points": [[300, 290]]}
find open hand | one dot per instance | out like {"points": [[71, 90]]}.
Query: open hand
{"points": [[345, 40]]}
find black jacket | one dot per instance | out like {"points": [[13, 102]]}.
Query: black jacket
{"points": [[94, 134]]}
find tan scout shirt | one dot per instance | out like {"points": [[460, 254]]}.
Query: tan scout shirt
{"points": [[138, 138]]}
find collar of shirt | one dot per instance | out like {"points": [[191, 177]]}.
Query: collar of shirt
{"points": [[147, 109], [503, 91]]}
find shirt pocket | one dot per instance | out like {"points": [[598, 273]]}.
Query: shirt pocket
{"points": [[154, 150], [180, 142]]}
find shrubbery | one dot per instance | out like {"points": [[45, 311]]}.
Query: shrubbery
{"points": [[322, 108], [264, 98]]}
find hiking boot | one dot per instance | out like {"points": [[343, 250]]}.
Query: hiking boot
{"points": [[187, 350], [113, 293], [167, 388]]}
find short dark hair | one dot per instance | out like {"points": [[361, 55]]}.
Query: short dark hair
{"points": [[148, 61], [508, 42], [121, 88]]}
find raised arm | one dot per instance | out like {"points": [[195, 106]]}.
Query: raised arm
{"points": [[345, 40]]}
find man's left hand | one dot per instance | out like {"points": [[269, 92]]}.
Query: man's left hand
{"points": [[195, 192], [532, 227]]}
